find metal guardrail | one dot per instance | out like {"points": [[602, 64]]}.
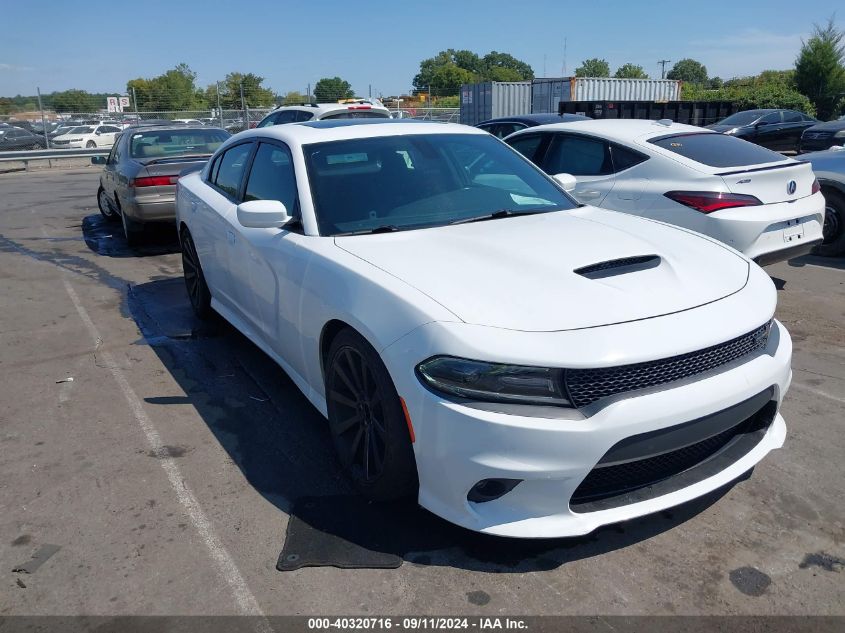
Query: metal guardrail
{"points": [[52, 154]]}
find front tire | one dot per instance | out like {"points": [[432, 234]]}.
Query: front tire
{"points": [[105, 206], [90, 145], [834, 225], [195, 284], [366, 420]]}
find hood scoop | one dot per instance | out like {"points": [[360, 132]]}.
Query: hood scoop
{"points": [[613, 267]]}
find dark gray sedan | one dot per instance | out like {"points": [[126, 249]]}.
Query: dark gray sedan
{"points": [[138, 183], [829, 168]]}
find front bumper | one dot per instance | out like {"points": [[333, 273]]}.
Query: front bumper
{"points": [[761, 232], [552, 451]]}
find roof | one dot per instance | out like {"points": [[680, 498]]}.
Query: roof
{"points": [[322, 131], [539, 119], [182, 127], [622, 129]]}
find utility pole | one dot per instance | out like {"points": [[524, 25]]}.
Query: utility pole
{"points": [[308, 93], [663, 63], [43, 122], [135, 99], [243, 107], [370, 95], [219, 109]]}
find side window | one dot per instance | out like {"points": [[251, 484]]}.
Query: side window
{"points": [[268, 121], [792, 117], [527, 144], [112, 159], [337, 115], [624, 158], [302, 115], [230, 169], [272, 176], [288, 116], [770, 119], [506, 129], [579, 156]]}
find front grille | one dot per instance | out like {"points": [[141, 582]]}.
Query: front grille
{"points": [[818, 135], [622, 479], [585, 386]]}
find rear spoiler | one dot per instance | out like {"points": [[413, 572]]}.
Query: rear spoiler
{"points": [[792, 163]]}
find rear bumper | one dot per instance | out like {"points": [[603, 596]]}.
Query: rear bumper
{"points": [[787, 253], [819, 145], [150, 208], [762, 232]]}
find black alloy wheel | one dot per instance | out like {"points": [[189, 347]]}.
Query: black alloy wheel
{"points": [[366, 420], [195, 284], [834, 225]]}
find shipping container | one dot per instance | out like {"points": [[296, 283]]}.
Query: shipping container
{"points": [[547, 93], [689, 112], [494, 99]]}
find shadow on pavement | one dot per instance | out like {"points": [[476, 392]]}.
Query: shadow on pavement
{"points": [[105, 237], [816, 260], [283, 447]]}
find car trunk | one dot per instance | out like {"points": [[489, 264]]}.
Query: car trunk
{"points": [[162, 169], [772, 183]]}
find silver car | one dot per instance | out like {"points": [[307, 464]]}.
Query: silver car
{"points": [[138, 182], [829, 168]]}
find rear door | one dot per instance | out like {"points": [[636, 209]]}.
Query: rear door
{"points": [[769, 132], [588, 159]]}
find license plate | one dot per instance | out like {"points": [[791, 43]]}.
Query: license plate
{"points": [[793, 232]]}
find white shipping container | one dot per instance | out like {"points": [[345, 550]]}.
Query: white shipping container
{"points": [[494, 99], [547, 93]]}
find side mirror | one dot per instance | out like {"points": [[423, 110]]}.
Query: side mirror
{"points": [[263, 214], [98, 160], [567, 181], [759, 123]]}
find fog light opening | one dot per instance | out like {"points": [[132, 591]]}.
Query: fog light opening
{"points": [[491, 489]]}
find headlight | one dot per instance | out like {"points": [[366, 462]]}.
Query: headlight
{"points": [[733, 130], [839, 134], [492, 382]]}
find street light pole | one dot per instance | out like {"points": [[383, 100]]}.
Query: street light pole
{"points": [[43, 122]]}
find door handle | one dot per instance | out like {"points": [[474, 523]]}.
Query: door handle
{"points": [[230, 236], [193, 206], [588, 194]]}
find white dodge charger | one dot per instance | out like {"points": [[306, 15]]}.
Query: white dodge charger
{"points": [[761, 203], [527, 366]]}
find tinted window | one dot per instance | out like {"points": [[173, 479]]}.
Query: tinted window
{"points": [[624, 158], [231, 169], [272, 176], [163, 143], [288, 116], [526, 144], [792, 117], [716, 150], [771, 119], [302, 115], [578, 155], [357, 114], [416, 181], [741, 118], [109, 128]]}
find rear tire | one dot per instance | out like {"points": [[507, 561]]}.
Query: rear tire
{"points": [[90, 145], [195, 284], [834, 225], [133, 230], [366, 420]]}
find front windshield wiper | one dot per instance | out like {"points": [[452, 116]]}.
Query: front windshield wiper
{"points": [[501, 213], [384, 228]]}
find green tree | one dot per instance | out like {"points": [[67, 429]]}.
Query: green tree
{"points": [[293, 97], [819, 71], [174, 90], [688, 70], [74, 101], [445, 72], [594, 67], [630, 71], [330, 89], [714, 83]]}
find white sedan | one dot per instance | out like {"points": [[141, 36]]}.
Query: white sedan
{"points": [[89, 136], [755, 200], [526, 366]]}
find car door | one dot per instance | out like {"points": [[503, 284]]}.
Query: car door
{"points": [[588, 159], [271, 262], [106, 135], [769, 131], [109, 178], [793, 126], [213, 220]]}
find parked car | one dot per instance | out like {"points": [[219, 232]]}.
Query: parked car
{"points": [[775, 129], [506, 126], [823, 136], [15, 138], [829, 168], [138, 181], [193, 122], [320, 111], [89, 136], [524, 366], [761, 203], [24, 125]]}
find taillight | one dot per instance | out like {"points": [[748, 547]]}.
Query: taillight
{"points": [[360, 107], [710, 201], [154, 181], [816, 186]]}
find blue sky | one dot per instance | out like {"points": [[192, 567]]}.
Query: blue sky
{"points": [[292, 43]]}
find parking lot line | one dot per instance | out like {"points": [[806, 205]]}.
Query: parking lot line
{"points": [[818, 392], [246, 601]]}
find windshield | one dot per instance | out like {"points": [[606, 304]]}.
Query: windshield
{"points": [[168, 143], [417, 181], [82, 129], [742, 118]]}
